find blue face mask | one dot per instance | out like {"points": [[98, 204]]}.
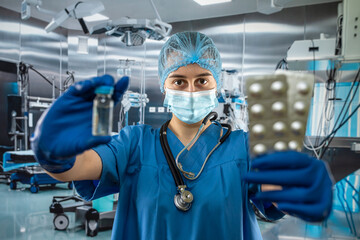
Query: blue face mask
{"points": [[190, 107]]}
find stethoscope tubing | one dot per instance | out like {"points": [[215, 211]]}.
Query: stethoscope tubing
{"points": [[179, 182], [168, 155]]}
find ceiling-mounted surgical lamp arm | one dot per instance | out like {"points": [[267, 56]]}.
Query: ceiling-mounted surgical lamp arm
{"points": [[49, 12], [77, 11], [57, 21], [155, 10], [111, 31], [165, 27]]}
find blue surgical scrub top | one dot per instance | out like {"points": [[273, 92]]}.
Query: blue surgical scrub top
{"points": [[135, 166]]}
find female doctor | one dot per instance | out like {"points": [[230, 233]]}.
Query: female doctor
{"points": [[217, 176]]}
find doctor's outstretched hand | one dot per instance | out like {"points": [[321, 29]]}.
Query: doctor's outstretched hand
{"points": [[306, 184], [64, 130]]}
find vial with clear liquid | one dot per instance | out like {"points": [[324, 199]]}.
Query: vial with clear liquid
{"points": [[103, 111]]}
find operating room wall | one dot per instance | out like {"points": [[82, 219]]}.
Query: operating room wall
{"points": [[83, 57], [251, 43], [26, 41]]}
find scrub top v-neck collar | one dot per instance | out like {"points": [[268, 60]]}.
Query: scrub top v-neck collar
{"points": [[193, 159]]}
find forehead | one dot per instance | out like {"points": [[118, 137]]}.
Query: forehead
{"points": [[190, 70]]}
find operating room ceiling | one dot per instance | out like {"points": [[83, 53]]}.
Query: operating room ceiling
{"points": [[169, 10]]}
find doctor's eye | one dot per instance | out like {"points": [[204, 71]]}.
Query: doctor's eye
{"points": [[179, 82], [202, 81]]}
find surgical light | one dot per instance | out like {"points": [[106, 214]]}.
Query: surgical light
{"points": [[210, 2], [134, 32]]}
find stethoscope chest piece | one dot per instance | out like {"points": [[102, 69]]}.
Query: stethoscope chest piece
{"points": [[183, 199]]}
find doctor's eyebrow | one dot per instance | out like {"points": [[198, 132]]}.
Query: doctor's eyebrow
{"points": [[183, 76]]}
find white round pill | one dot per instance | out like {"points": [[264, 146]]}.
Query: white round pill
{"points": [[257, 110], [259, 149], [258, 130], [296, 127], [278, 87], [256, 89], [293, 145], [280, 146], [278, 107], [300, 107], [279, 128], [303, 88]]}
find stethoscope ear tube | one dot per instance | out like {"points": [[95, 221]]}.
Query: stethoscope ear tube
{"points": [[168, 155], [212, 116], [229, 129]]}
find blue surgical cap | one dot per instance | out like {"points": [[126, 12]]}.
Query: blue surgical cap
{"points": [[186, 48]]}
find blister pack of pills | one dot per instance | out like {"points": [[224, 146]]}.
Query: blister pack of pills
{"points": [[278, 107]]}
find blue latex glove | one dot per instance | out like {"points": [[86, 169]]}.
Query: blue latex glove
{"points": [[306, 183], [64, 130]]}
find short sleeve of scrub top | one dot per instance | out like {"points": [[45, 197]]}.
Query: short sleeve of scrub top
{"points": [[134, 165], [115, 157]]}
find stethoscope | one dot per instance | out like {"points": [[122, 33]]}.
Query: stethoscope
{"points": [[184, 198]]}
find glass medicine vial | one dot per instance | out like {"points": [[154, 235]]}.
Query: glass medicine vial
{"points": [[103, 111]]}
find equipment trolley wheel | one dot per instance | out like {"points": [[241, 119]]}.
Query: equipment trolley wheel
{"points": [[12, 185], [61, 222], [34, 188]]}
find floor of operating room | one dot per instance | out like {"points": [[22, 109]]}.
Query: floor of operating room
{"points": [[25, 215]]}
